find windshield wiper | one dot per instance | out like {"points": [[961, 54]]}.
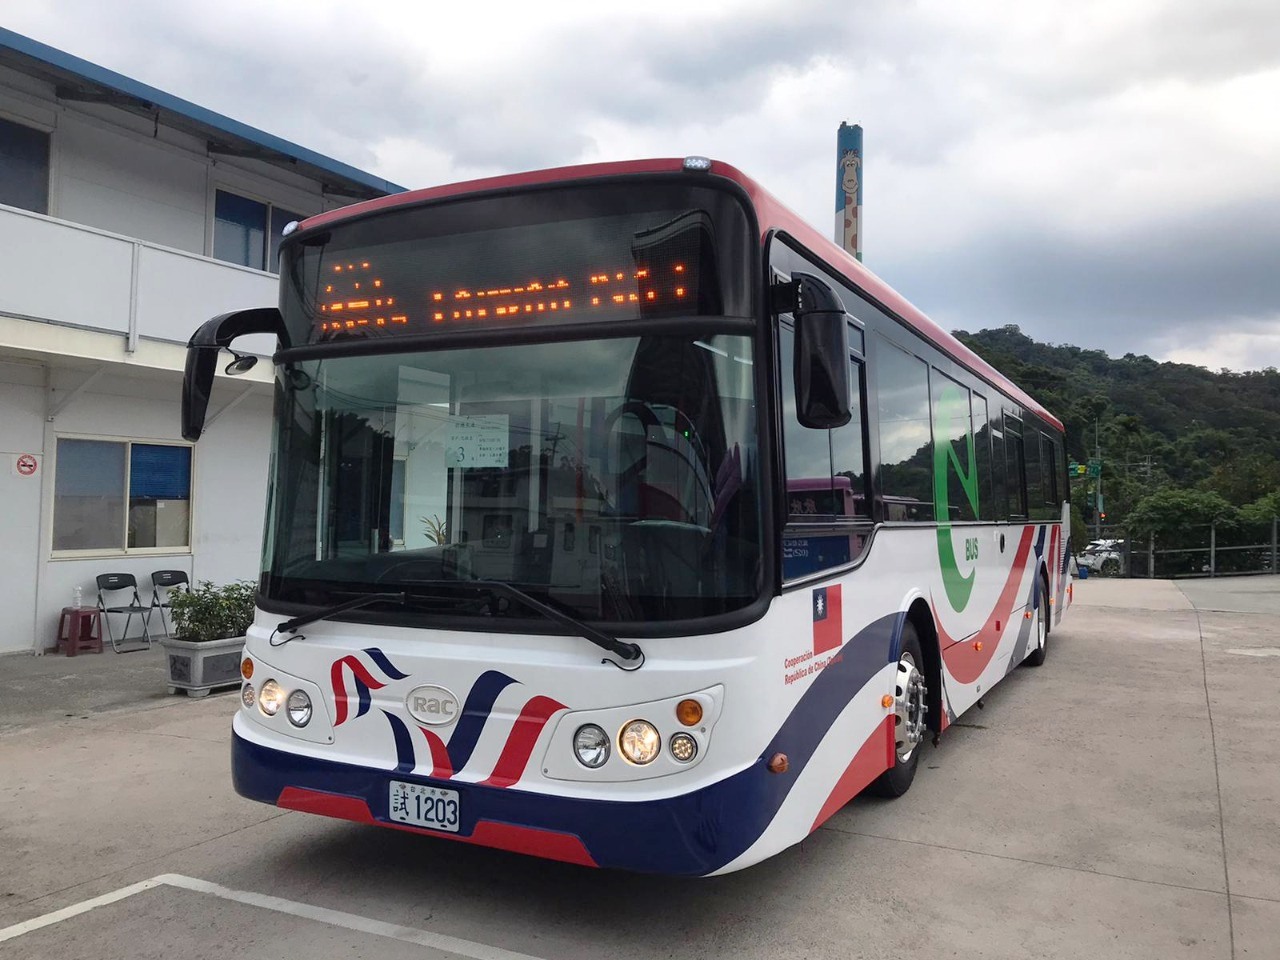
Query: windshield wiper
{"points": [[629, 652], [291, 626]]}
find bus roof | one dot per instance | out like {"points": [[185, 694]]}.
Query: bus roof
{"points": [[772, 216]]}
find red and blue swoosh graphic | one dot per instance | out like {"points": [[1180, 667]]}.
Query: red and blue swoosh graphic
{"points": [[362, 678], [449, 758]]}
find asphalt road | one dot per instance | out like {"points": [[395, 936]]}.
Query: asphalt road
{"points": [[1121, 801]]}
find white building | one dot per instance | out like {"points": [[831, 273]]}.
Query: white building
{"points": [[127, 218]]}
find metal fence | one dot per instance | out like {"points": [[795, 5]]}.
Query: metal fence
{"points": [[1199, 550]]}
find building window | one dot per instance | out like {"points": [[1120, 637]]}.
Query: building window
{"points": [[248, 232], [24, 167], [116, 496]]}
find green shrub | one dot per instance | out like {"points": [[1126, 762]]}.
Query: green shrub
{"points": [[211, 613]]}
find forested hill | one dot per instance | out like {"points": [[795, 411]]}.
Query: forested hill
{"points": [[1159, 424]]}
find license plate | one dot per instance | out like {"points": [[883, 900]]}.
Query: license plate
{"points": [[425, 806]]}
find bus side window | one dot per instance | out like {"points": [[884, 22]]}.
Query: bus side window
{"points": [[906, 438], [810, 491], [1049, 475], [982, 447], [955, 452], [1016, 467], [828, 515], [999, 475], [849, 457]]}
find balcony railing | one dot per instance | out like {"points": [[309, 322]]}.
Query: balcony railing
{"points": [[64, 272]]}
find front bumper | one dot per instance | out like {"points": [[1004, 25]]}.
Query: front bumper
{"points": [[690, 834]]}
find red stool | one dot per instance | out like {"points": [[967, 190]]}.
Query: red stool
{"points": [[79, 629]]}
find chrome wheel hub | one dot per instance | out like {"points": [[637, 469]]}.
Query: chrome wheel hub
{"points": [[910, 707]]}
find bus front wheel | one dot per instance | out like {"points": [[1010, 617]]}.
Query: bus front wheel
{"points": [[910, 707]]}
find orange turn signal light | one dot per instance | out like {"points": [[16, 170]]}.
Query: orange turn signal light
{"points": [[689, 712], [246, 668], [886, 701], [778, 763], [977, 645]]}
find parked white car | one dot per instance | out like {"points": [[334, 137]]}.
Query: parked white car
{"points": [[1103, 557]]}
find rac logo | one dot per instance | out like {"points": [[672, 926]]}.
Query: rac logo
{"points": [[433, 705]]}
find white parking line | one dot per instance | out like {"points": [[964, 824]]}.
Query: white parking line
{"points": [[337, 918], [66, 913]]}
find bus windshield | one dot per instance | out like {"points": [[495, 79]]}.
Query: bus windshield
{"points": [[616, 479], [610, 470]]}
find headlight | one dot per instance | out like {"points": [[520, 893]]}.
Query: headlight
{"points": [[270, 698], [299, 708], [247, 695], [591, 746], [683, 747], [640, 742]]}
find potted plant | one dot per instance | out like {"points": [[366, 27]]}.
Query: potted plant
{"points": [[209, 624]]}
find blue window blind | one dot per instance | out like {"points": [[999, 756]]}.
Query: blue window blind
{"points": [[159, 473], [239, 230], [24, 167]]}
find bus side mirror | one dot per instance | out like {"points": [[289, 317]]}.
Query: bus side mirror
{"points": [[202, 358], [821, 355]]}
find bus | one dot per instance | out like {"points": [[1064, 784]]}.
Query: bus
{"points": [[617, 517]]}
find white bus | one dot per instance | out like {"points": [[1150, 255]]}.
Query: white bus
{"points": [[535, 575]]}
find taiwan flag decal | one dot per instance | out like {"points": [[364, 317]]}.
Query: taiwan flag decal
{"points": [[828, 625]]}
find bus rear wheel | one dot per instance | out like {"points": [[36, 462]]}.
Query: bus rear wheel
{"points": [[910, 707]]}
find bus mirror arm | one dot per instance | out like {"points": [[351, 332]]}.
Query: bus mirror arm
{"points": [[821, 355], [202, 358]]}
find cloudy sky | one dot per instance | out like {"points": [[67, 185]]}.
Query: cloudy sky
{"points": [[1100, 173]]}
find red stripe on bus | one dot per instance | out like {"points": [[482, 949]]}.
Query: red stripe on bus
{"points": [[360, 672], [868, 763], [965, 662], [520, 742], [548, 844], [1055, 561], [441, 764]]}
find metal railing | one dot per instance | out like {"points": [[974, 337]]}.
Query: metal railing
{"points": [[1206, 550]]}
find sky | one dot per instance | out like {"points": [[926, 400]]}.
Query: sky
{"points": [[1105, 174]]}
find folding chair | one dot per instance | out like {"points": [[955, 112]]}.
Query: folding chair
{"points": [[167, 581], [118, 583]]}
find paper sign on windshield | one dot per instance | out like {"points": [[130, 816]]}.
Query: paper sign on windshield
{"points": [[479, 441]]}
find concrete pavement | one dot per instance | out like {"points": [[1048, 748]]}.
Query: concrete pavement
{"points": [[1121, 801]]}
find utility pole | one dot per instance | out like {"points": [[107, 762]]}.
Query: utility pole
{"points": [[1097, 503]]}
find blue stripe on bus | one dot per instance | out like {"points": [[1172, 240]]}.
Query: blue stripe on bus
{"points": [[362, 692], [405, 759], [694, 833], [475, 714], [380, 658]]}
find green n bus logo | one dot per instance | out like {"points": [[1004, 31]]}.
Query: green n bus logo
{"points": [[951, 406]]}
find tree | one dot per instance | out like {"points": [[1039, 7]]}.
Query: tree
{"points": [[1171, 514]]}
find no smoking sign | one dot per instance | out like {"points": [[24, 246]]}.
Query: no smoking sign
{"points": [[25, 465]]}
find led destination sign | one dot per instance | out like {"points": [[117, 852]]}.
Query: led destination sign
{"points": [[356, 299]]}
